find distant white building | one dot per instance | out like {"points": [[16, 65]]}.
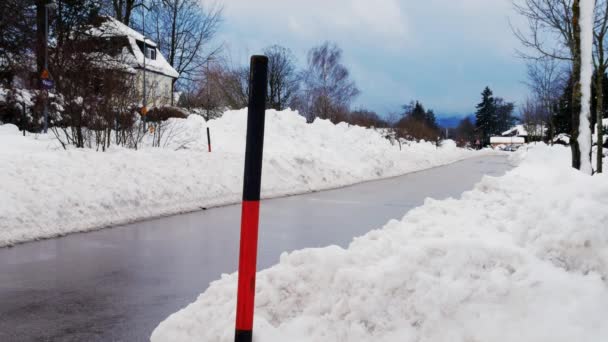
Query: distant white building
{"points": [[528, 132], [507, 141], [135, 52]]}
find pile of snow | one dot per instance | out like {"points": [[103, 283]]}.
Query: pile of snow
{"points": [[47, 191], [523, 257]]}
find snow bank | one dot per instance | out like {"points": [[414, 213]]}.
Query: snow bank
{"points": [[47, 191], [522, 257]]}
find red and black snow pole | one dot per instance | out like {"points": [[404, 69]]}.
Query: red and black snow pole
{"points": [[208, 140], [258, 79]]}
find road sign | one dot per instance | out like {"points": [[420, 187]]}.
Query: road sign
{"points": [[144, 110], [46, 80], [48, 84]]}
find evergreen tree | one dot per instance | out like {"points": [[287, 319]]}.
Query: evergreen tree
{"points": [[486, 116], [431, 121], [418, 123], [418, 112], [504, 115]]}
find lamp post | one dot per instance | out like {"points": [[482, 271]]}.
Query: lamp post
{"points": [[144, 109], [47, 6], [143, 29]]}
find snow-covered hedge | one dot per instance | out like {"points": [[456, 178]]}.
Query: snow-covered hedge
{"points": [[47, 191], [523, 257]]}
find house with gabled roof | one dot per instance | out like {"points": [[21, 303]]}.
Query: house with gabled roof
{"points": [[138, 55]]}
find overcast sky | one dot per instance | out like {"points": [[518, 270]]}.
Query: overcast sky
{"points": [[441, 52]]}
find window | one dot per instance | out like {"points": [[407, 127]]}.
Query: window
{"points": [[150, 51]]}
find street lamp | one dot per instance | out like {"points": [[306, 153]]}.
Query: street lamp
{"points": [[49, 5], [144, 110]]}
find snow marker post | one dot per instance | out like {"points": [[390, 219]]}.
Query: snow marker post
{"points": [[208, 140], [258, 82], [23, 117]]}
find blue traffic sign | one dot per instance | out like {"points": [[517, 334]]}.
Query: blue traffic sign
{"points": [[48, 84]]}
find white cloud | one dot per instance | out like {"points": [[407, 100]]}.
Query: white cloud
{"points": [[365, 20], [440, 51]]}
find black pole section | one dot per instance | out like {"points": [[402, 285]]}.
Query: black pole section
{"points": [[258, 82], [208, 140], [23, 117]]}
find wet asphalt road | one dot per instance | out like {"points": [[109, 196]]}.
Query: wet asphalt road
{"points": [[117, 284]]}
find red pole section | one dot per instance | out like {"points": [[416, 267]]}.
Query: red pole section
{"points": [[258, 81]]}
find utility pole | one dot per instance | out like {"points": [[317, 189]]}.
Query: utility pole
{"points": [[45, 110], [143, 28]]}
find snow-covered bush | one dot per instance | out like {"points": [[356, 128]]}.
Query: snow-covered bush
{"points": [[23, 107]]}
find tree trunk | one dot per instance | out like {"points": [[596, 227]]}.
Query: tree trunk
{"points": [[173, 92], [128, 10], [173, 44], [40, 38], [576, 91], [118, 9], [600, 115]]}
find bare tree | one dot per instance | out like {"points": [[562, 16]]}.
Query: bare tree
{"points": [[366, 118], [328, 89], [283, 79], [546, 80], [465, 133], [534, 115], [222, 86], [120, 9], [184, 30], [554, 33], [550, 28]]}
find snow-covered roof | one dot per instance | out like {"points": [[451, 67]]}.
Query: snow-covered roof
{"points": [[517, 130], [562, 137], [111, 27], [521, 131], [507, 140]]}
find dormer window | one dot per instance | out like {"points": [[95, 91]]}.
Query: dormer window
{"points": [[150, 51]]}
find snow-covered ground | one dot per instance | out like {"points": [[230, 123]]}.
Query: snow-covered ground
{"points": [[522, 257], [46, 191]]}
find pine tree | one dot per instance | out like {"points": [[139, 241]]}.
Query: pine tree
{"points": [[504, 118], [431, 121], [418, 113], [486, 116]]}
